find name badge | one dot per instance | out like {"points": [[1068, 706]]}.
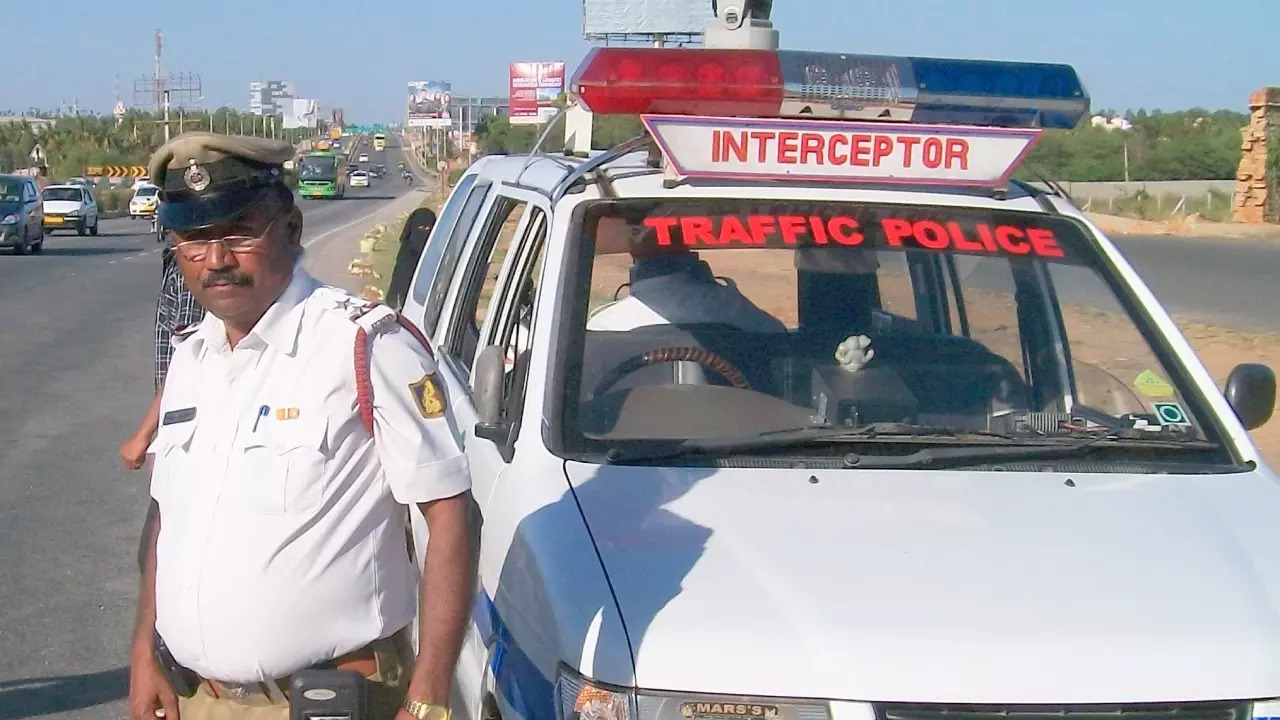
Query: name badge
{"points": [[178, 416]]}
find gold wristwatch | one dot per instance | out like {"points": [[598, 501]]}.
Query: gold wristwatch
{"points": [[426, 711]]}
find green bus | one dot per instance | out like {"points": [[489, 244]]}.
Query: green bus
{"points": [[322, 174]]}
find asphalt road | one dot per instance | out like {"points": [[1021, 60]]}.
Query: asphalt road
{"points": [[1225, 282], [75, 349]]}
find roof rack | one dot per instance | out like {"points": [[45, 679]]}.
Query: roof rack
{"points": [[622, 149]]}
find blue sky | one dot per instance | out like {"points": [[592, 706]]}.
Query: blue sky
{"points": [[1170, 54]]}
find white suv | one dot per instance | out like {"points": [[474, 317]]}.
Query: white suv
{"points": [[774, 417]]}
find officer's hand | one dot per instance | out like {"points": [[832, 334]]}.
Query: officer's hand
{"points": [[134, 452], [149, 691], [854, 353]]}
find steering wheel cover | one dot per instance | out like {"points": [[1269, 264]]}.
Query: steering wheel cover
{"points": [[712, 361]]}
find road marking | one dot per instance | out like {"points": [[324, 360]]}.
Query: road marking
{"points": [[357, 221]]}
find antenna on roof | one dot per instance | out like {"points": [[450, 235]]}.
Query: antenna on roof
{"points": [[741, 25], [541, 139]]}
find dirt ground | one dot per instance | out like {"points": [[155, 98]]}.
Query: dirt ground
{"points": [[1110, 354], [1188, 226]]}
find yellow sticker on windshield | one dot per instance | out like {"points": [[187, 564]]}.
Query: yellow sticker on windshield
{"points": [[1152, 385]]}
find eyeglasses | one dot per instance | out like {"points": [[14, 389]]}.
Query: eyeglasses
{"points": [[195, 250]]}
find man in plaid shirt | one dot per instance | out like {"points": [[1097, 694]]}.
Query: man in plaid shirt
{"points": [[176, 309]]}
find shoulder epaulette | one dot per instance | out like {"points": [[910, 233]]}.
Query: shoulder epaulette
{"points": [[371, 319]]}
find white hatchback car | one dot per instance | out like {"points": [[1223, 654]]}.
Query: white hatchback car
{"points": [[776, 417], [70, 207], [363, 158], [145, 201], [359, 178]]}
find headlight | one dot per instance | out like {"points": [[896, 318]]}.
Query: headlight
{"points": [[583, 699], [9, 220]]}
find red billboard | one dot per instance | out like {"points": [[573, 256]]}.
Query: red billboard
{"points": [[533, 88]]}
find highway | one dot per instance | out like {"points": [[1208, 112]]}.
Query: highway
{"points": [[76, 350], [1226, 282]]}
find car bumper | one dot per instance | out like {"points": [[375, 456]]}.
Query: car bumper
{"points": [[142, 212], [55, 222], [10, 236]]}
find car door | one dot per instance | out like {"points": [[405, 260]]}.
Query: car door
{"points": [[483, 309]]}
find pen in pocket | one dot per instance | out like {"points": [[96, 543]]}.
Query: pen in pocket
{"points": [[262, 412]]}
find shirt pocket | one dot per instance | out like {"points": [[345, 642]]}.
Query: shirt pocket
{"points": [[171, 451], [281, 467]]}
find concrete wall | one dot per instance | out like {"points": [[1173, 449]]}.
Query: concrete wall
{"points": [[1082, 191]]}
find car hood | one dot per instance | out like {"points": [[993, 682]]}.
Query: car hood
{"points": [[62, 207], [994, 587]]}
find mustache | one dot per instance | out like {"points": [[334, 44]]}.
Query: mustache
{"points": [[229, 276]]}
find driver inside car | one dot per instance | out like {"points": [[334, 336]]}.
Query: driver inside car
{"points": [[671, 284]]}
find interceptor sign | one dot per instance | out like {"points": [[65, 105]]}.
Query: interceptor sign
{"points": [[837, 151]]}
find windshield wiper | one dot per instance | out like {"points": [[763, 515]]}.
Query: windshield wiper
{"points": [[821, 435], [978, 445]]}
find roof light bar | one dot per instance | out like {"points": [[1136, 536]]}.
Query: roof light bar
{"points": [[797, 84]]}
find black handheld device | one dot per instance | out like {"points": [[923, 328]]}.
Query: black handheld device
{"points": [[327, 695]]}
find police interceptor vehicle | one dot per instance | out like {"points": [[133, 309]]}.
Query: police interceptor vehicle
{"points": [[798, 406]]}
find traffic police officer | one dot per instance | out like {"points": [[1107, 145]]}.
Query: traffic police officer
{"points": [[297, 423], [672, 285]]}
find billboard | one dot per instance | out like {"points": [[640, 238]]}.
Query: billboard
{"points": [[533, 89], [428, 104], [625, 17], [299, 113], [338, 119]]}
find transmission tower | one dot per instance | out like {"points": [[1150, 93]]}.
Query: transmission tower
{"points": [[181, 90]]}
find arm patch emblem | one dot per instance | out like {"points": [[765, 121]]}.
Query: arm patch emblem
{"points": [[428, 396]]}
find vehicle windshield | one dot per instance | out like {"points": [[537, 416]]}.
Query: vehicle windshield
{"points": [[63, 193], [318, 167], [10, 192], [730, 319], [146, 191]]}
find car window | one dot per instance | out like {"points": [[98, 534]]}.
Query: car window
{"points": [[480, 278], [56, 193], [444, 248], [848, 314], [147, 191], [513, 332], [11, 191]]}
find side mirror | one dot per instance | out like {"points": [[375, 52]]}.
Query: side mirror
{"points": [[490, 378], [1251, 392]]}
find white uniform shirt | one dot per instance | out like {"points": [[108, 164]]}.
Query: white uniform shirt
{"points": [[282, 540], [679, 297]]}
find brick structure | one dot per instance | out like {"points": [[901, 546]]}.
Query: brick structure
{"points": [[1252, 183]]}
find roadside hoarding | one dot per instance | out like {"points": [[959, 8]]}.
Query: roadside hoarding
{"points": [[533, 88], [640, 17], [428, 104], [338, 119]]}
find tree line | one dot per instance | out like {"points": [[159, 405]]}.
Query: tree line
{"points": [[72, 143], [1194, 144]]}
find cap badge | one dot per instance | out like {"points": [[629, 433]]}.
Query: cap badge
{"points": [[195, 177]]}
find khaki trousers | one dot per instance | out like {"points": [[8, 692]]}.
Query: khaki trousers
{"points": [[386, 692]]}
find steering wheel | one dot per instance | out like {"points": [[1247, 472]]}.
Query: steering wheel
{"points": [[657, 356]]}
